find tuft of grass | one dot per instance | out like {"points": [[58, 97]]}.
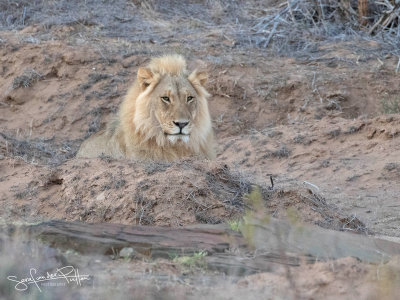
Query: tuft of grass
{"points": [[28, 192], [27, 79], [96, 77], [235, 225], [392, 166], [40, 150], [119, 183], [254, 199], [334, 133], [204, 217], [106, 158], [156, 167], [143, 210], [257, 211], [298, 139], [230, 185], [390, 106], [197, 260], [282, 152]]}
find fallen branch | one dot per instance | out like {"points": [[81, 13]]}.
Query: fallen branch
{"points": [[386, 19]]}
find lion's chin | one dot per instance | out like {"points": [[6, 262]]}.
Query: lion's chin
{"points": [[174, 138]]}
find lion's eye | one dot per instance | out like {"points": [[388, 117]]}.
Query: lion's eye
{"points": [[165, 99], [189, 98]]}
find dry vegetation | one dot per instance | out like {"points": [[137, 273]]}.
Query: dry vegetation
{"points": [[305, 108]]}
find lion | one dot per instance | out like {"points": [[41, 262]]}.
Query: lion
{"points": [[164, 116]]}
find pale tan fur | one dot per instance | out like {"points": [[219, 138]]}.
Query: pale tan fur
{"points": [[148, 124]]}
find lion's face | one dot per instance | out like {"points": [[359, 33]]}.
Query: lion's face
{"points": [[173, 106], [175, 103]]}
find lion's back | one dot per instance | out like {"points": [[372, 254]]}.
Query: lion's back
{"points": [[101, 143]]}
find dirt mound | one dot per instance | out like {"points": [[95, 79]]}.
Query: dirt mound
{"points": [[303, 205], [103, 190], [166, 194]]}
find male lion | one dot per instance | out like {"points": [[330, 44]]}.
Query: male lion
{"points": [[164, 117]]}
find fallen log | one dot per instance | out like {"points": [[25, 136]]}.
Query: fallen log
{"points": [[153, 242], [272, 243], [148, 241]]}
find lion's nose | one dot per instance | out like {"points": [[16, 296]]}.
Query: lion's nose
{"points": [[181, 125]]}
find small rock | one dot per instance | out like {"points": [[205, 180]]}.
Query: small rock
{"points": [[101, 197], [127, 252]]}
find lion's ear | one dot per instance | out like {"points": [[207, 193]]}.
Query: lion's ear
{"points": [[145, 77], [198, 78]]}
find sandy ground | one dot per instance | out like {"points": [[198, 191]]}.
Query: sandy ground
{"points": [[318, 123]]}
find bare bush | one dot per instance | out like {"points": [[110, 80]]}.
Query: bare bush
{"points": [[296, 24]]}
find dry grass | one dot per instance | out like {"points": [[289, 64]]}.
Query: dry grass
{"points": [[34, 151], [288, 27], [390, 106], [143, 210], [230, 185], [27, 79], [282, 152]]}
